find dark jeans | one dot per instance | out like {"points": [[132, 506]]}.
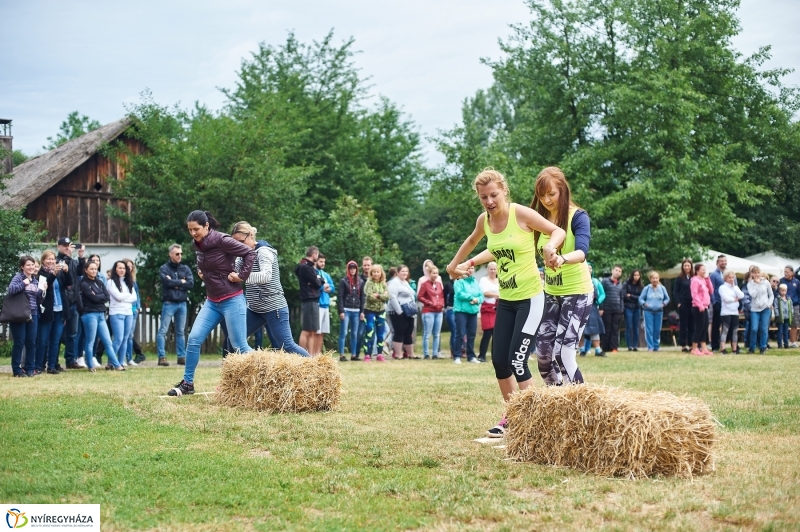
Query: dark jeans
{"points": [[716, 323], [700, 325], [71, 327], [278, 330], [783, 334], [611, 322], [632, 319], [487, 337], [466, 324], [449, 315], [24, 335], [48, 341], [686, 325]]}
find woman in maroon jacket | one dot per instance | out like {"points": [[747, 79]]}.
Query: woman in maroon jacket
{"points": [[216, 255], [431, 295]]}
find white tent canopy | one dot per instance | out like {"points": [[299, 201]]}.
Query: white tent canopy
{"points": [[738, 265], [775, 260]]}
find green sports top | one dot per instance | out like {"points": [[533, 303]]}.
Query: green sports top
{"points": [[570, 279], [515, 253]]}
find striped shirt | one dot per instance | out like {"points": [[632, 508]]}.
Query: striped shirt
{"points": [[264, 291]]}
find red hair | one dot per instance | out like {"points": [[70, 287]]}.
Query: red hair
{"points": [[552, 175]]}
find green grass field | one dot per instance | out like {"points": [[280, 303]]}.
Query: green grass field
{"points": [[397, 455]]}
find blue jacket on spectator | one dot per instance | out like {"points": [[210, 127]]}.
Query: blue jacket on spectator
{"points": [[792, 289], [325, 297], [716, 282]]}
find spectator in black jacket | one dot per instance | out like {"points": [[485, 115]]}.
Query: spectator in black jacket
{"points": [[55, 308], [74, 269], [350, 304], [632, 289], [176, 281], [682, 295], [310, 284], [450, 318], [92, 305], [612, 309]]}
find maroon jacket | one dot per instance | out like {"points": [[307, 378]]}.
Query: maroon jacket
{"points": [[431, 295], [216, 255]]}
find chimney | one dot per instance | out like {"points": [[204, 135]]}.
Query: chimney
{"points": [[7, 164]]}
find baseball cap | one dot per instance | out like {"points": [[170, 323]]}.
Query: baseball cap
{"points": [[64, 241]]}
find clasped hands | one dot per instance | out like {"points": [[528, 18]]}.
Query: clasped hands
{"points": [[551, 259]]}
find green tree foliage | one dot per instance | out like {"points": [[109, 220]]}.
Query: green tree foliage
{"points": [[294, 152], [73, 127], [670, 139], [18, 157]]}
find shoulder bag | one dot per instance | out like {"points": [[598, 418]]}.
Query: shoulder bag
{"points": [[16, 308]]}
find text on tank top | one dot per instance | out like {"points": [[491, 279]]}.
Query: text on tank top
{"points": [[570, 279], [515, 253]]}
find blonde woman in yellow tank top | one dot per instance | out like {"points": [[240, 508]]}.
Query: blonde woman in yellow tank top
{"points": [[509, 230], [569, 293]]}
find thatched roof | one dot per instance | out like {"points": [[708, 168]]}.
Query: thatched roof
{"points": [[36, 176]]}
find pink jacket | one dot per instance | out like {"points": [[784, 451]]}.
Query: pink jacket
{"points": [[702, 289]]}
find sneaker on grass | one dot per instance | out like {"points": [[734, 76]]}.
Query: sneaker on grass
{"points": [[182, 388], [457, 360], [499, 430], [162, 361]]}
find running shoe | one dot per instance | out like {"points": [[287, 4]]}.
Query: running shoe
{"points": [[457, 360], [499, 430], [380, 358], [367, 358], [697, 352], [182, 388], [707, 353], [474, 360], [342, 358]]}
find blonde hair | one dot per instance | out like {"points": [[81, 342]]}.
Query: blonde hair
{"points": [[754, 269], [244, 228], [378, 267], [489, 175], [433, 270], [46, 254], [728, 273], [652, 273]]}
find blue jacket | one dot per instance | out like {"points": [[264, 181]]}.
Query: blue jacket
{"points": [[325, 297], [654, 299], [716, 282], [792, 289]]}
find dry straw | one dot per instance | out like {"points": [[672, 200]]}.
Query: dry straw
{"points": [[276, 381], [611, 432]]}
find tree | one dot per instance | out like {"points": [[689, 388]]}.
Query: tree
{"points": [[73, 127], [17, 157], [670, 139]]}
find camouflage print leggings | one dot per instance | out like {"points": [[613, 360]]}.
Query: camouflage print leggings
{"points": [[560, 333]]}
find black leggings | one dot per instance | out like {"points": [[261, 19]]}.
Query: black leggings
{"points": [[403, 328], [485, 339], [515, 336], [700, 318]]}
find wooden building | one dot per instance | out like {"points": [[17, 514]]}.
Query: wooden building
{"points": [[69, 188]]}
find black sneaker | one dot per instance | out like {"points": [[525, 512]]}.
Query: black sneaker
{"points": [[599, 354], [751, 351], [354, 357], [724, 352], [582, 353], [53, 372], [162, 361], [499, 430], [182, 388], [342, 358], [181, 361], [139, 358]]}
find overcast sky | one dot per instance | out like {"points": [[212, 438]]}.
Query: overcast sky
{"points": [[94, 57]]}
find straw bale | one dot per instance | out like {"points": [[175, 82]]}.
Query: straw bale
{"points": [[275, 381], [611, 432]]}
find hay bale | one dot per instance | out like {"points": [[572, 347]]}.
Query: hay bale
{"points": [[611, 432], [276, 381]]}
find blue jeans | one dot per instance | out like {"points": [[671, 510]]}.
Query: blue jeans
{"points": [[466, 324], [234, 312], [783, 334], [278, 329], [122, 328], [351, 319], [130, 338], [24, 335], [49, 341], [431, 324], [94, 324], [632, 318], [759, 326], [652, 328], [451, 324], [170, 310]]}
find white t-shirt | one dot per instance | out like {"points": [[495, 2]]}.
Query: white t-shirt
{"points": [[487, 285]]}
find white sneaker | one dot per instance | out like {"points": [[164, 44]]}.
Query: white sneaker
{"points": [[474, 361], [125, 363], [132, 363], [95, 363], [793, 345], [81, 362], [457, 360]]}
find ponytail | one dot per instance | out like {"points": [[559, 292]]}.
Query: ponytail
{"points": [[203, 218]]}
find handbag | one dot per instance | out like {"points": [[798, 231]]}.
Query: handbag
{"points": [[409, 309], [16, 308]]}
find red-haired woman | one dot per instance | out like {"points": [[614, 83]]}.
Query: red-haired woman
{"points": [[569, 292], [682, 295]]}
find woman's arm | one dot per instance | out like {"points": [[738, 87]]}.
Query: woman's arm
{"points": [[534, 221], [466, 248], [394, 304], [231, 246], [581, 228], [666, 296]]}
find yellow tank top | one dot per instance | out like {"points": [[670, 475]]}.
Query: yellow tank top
{"points": [[570, 279], [515, 253]]}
